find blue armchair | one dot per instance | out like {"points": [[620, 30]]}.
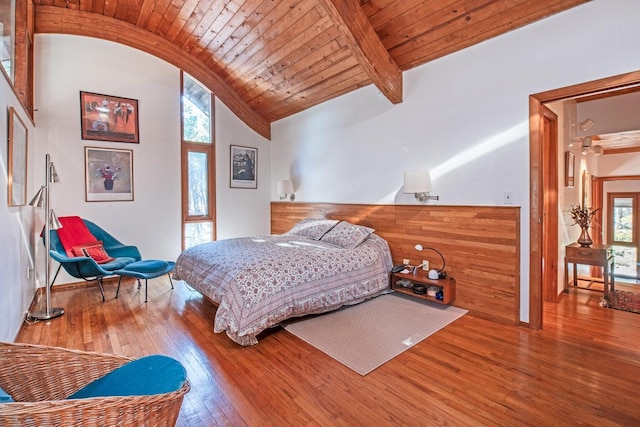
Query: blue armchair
{"points": [[85, 267]]}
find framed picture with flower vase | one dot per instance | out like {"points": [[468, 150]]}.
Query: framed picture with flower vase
{"points": [[108, 174]]}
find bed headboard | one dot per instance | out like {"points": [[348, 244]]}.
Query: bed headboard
{"points": [[481, 245]]}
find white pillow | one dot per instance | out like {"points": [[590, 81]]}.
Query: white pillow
{"points": [[347, 235], [312, 228]]}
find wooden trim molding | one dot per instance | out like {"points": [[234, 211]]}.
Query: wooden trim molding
{"points": [[481, 245]]}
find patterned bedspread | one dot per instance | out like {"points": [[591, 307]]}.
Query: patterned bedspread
{"points": [[258, 282]]}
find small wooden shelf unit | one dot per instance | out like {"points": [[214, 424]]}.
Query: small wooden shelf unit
{"points": [[448, 286]]}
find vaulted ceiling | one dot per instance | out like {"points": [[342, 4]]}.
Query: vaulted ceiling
{"points": [[269, 59]]}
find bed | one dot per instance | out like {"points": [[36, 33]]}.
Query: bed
{"points": [[257, 282]]}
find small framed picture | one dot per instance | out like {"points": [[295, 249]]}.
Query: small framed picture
{"points": [[17, 160], [108, 118], [108, 174], [569, 169], [244, 167]]}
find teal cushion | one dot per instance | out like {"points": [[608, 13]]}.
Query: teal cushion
{"points": [[118, 263], [149, 375], [147, 266], [4, 397]]}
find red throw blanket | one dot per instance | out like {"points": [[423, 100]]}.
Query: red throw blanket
{"points": [[73, 233]]}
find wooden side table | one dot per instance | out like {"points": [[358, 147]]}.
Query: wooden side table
{"points": [[447, 286], [596, 255]]}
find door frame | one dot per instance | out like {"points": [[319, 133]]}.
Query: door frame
{"points": [[550, 201], [538, 163]]}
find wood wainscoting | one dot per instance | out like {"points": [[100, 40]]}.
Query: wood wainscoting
{"points": [[481, 245]]}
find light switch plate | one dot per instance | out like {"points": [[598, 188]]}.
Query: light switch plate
{"points": [[508, 197]]}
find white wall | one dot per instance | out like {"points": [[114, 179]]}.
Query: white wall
{"points": [[240, 211], [619, 164], [16, 230], [152, 221], [464, 117]]}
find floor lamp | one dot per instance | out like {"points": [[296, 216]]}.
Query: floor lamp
{"points": [[51, 223]]}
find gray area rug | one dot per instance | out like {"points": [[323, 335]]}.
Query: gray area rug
{"points": [[366, 335]]}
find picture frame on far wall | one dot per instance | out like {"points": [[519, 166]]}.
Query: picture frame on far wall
{"points": [[17, 160], [108, 118], [244, 167], [569, 169], [108, 174]]}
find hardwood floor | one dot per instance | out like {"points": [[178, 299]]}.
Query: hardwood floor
{"points": [[582, 369]]}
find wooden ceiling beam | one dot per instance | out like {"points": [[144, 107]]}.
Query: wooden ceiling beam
{"points": [[57, 20], [366, 46]]}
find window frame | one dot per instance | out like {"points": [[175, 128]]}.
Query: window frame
{"points": [[22, 56], [635, 235], [635, 220], [187, 147]]}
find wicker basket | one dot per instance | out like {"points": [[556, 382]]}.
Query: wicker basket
{"points": [[39, 378]]}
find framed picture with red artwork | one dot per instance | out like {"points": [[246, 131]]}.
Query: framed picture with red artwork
{"points": [[109, 118]]}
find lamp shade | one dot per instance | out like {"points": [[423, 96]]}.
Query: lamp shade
{"points": [[586, 124], [284, 186], [417, 181]]}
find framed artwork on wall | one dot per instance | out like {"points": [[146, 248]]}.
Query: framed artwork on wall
{"points": [[17, 160], [244, 167], [108, 174], [569, 169], [108, 118]]}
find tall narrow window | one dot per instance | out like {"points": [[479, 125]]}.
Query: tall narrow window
{"points": [[198, 160], [623, 232]]}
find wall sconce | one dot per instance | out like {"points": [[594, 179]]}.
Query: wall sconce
{"points": [[586, 144], [433, 273], [51, 223], [285, 190], [418, 182], [597, 150], [585, 125], [582, 126]]}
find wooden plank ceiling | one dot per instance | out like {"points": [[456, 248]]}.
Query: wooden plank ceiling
{"points": [[269, 59]]}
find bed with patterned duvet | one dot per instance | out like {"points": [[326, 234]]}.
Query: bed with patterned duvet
{"points": [[257, 282]]}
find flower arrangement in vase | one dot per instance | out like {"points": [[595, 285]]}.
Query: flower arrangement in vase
{"points": [[109, 174], [583, 217]]}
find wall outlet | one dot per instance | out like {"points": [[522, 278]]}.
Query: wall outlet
{"points": [[425, 265], [406, 261]]}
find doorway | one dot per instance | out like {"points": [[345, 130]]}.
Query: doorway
{"points": [[540, 252]]}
